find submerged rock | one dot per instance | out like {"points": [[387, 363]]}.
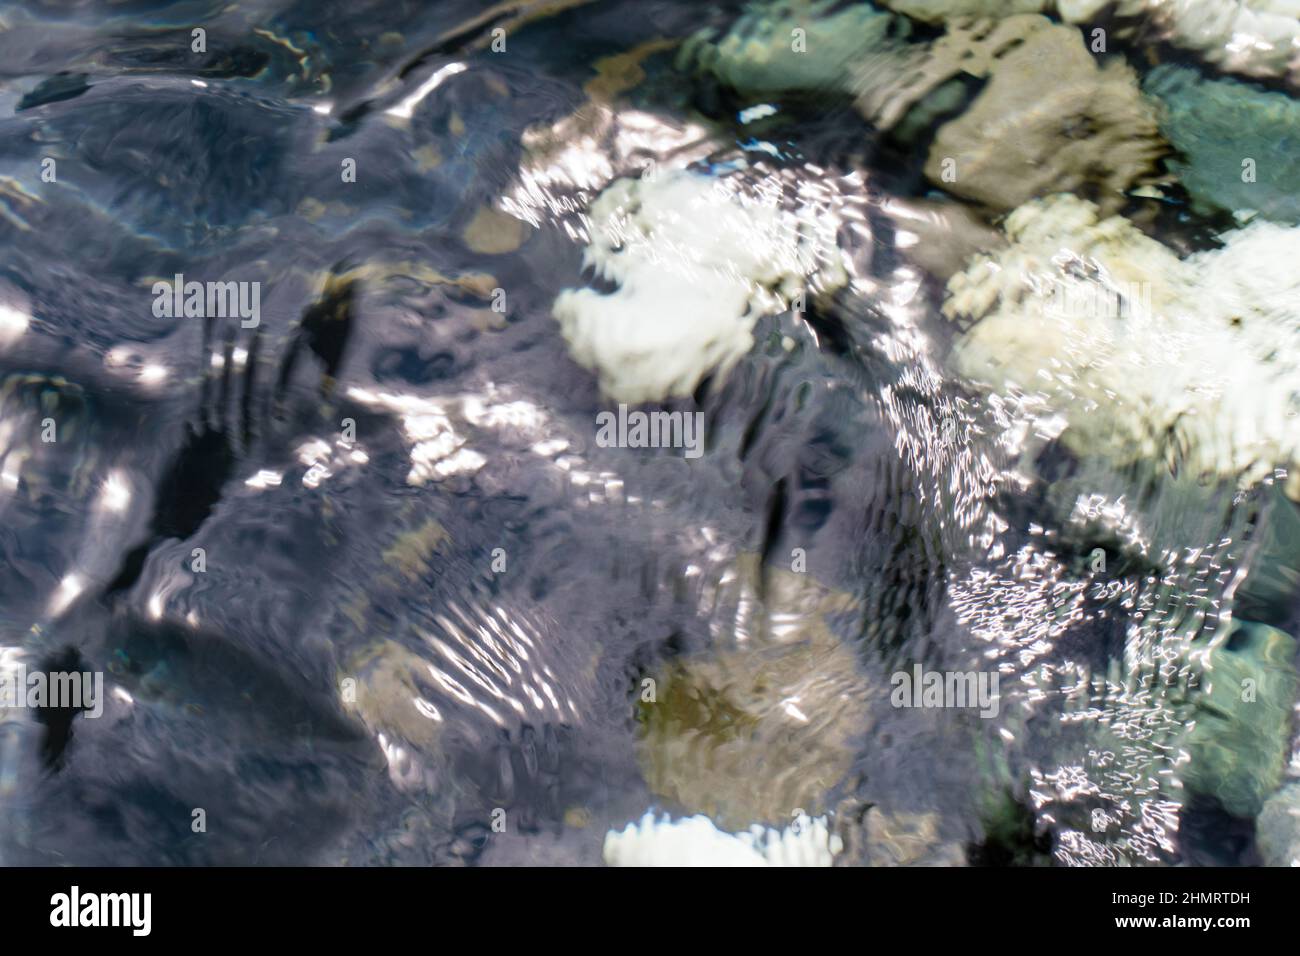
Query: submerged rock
{"points": [[790, 45], [786, 696], [1242, 718], [1277, 831], [890, 83], [1128, 352], [908, 839], [1253, 37], [937, 11], [1238, 140], [1049, 120], [697, 260]]}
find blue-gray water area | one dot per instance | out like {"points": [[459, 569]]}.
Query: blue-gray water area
{"points": [[365, 589]]}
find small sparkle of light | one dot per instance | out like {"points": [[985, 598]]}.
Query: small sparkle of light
{"points": [[153, 374], [265, 479], [116, 494], [67, 592], [13, 322], [406, 108]]}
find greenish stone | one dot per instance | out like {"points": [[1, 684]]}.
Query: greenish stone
{"points": [[1272, 583], [1242, 717], [1218, 124], [792, 46], [1277, 831]]}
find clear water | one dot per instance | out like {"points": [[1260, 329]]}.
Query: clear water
{"points": [[429, 600]]}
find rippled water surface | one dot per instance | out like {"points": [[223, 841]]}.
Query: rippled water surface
{"points": [[366, 587]]}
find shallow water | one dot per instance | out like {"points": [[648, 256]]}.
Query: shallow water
{"points": [[427, 600]]}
